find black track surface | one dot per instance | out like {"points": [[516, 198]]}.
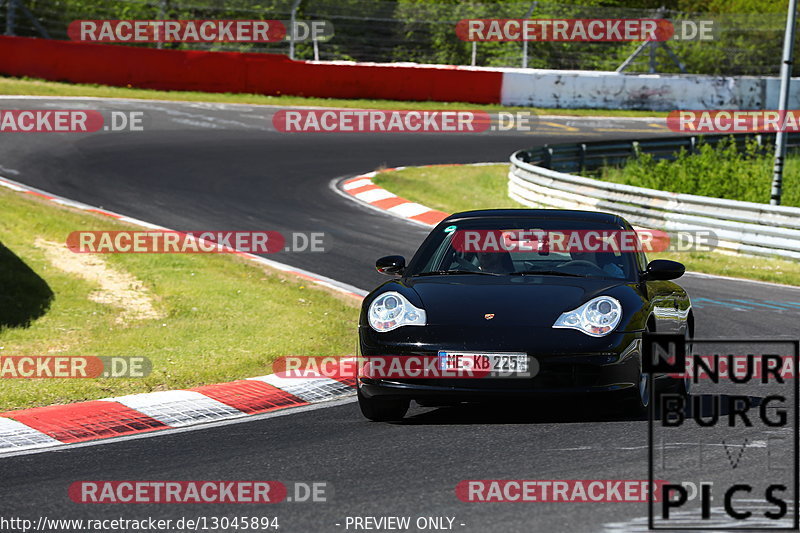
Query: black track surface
{"points": [[203, 166]]}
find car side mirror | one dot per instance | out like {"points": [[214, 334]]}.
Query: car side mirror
{"points": [[391, 265], [663, 269]]}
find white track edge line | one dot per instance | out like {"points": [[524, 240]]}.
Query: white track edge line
{"points": [[173, 430]]}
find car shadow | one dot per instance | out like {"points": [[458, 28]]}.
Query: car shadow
{"points": [[24, 295], [561, 411]]}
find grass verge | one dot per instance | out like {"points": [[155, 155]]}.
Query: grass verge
{"points": [[452, 189], [721, 171], [220, 317], [34, 87]]}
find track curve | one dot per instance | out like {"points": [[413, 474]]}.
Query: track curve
{"points": [[210, 166]]}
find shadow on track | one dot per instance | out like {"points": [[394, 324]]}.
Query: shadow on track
{"points": [[560, 411], [542, 411], [24, 296]]}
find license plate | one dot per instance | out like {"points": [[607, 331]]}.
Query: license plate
{"points": [[495, 364]]}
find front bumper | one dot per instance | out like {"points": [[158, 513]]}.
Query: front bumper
{"points": [[605, 364]]}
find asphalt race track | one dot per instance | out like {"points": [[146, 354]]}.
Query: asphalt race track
{"points": [[210, 166]]}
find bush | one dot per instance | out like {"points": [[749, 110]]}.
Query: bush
{"points": [[720, 171]]}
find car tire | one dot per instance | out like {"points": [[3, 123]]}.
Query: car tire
{"points": [[682, 386], [382, 409], [679, 386], [637, 402]]}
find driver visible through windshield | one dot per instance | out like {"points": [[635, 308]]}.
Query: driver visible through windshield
{"points": [[531, 246]]}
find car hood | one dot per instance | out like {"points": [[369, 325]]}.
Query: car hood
{"points": [[514, 301]]}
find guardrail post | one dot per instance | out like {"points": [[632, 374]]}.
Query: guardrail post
{"points": [[635, 151], [11, 18], [582, 157], [525, 42], [293, 30], [162, 14], [11, 11], [547, 156]]}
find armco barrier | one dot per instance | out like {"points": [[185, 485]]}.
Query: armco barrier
{"points": [[745, 227], [270, 74]]}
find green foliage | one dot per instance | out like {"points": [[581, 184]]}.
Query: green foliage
{"points": [[743, 44], [747, 42], [733, 6], [720, 171], [429, 36]]}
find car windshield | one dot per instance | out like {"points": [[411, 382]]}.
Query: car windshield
{"points": [[529, 247]]}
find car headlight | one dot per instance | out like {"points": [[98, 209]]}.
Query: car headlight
{"points": [[391, 310], [597, 317]]}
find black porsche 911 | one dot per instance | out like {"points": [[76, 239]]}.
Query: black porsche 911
{"points": [[518, 303]]}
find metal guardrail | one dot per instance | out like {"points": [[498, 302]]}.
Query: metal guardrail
{"points": [[540, 178], [591, 156]]}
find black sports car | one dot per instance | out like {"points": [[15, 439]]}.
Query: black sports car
{"points": [[517, 302]]}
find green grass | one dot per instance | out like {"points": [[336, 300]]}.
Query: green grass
{"points": [[452, 189], [224, 317], [721, 172], [33, 87]]}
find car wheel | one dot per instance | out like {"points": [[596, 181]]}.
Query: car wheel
{"points": [[382, 409], [683, 386], [638, 400]]}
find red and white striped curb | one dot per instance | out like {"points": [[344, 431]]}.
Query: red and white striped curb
{"points": [[42, 427], [55, 425], [363, 189]]}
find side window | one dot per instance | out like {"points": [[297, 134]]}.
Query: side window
{"points": [[642, 260], [442, 256]]}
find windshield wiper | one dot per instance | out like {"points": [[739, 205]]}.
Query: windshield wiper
{"points": [[449, 272], [547, 273]]}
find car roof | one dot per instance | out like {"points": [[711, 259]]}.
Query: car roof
{"points": [[552, 214]]}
